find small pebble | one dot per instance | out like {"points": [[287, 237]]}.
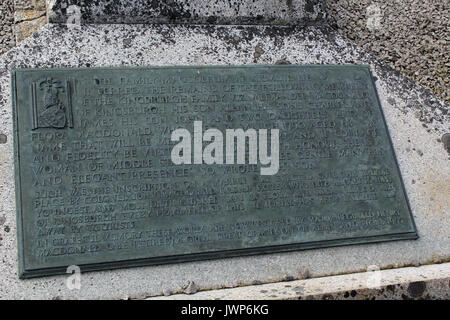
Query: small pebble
{"points": [[304, 273], [167, 292], [190, 288], [288, 278]]}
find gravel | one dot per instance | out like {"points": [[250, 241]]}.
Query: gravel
{"points": [[6, 22], [412, 36]]}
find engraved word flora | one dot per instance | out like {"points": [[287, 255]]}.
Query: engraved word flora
{"points": [[213, 152]]}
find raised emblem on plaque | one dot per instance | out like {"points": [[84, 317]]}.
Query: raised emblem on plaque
{"points": [[122, 167], [51, 103]]}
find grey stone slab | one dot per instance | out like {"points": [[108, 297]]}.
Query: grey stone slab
{"points": [[416, 121], [191, 11]]}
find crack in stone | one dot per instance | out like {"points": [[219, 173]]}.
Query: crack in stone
{"points": [[30, 19]]}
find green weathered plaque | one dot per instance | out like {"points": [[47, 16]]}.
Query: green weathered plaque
{"points": [[119, 167]]}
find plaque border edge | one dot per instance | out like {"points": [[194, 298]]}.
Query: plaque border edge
{"points": [[394, 153], [211, 255], [203, 256], [17, 177]]}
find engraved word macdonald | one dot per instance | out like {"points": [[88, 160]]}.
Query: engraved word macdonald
{"points": [[96, 185]]}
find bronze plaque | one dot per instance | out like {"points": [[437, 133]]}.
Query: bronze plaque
{"points": [[119, 167]]}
